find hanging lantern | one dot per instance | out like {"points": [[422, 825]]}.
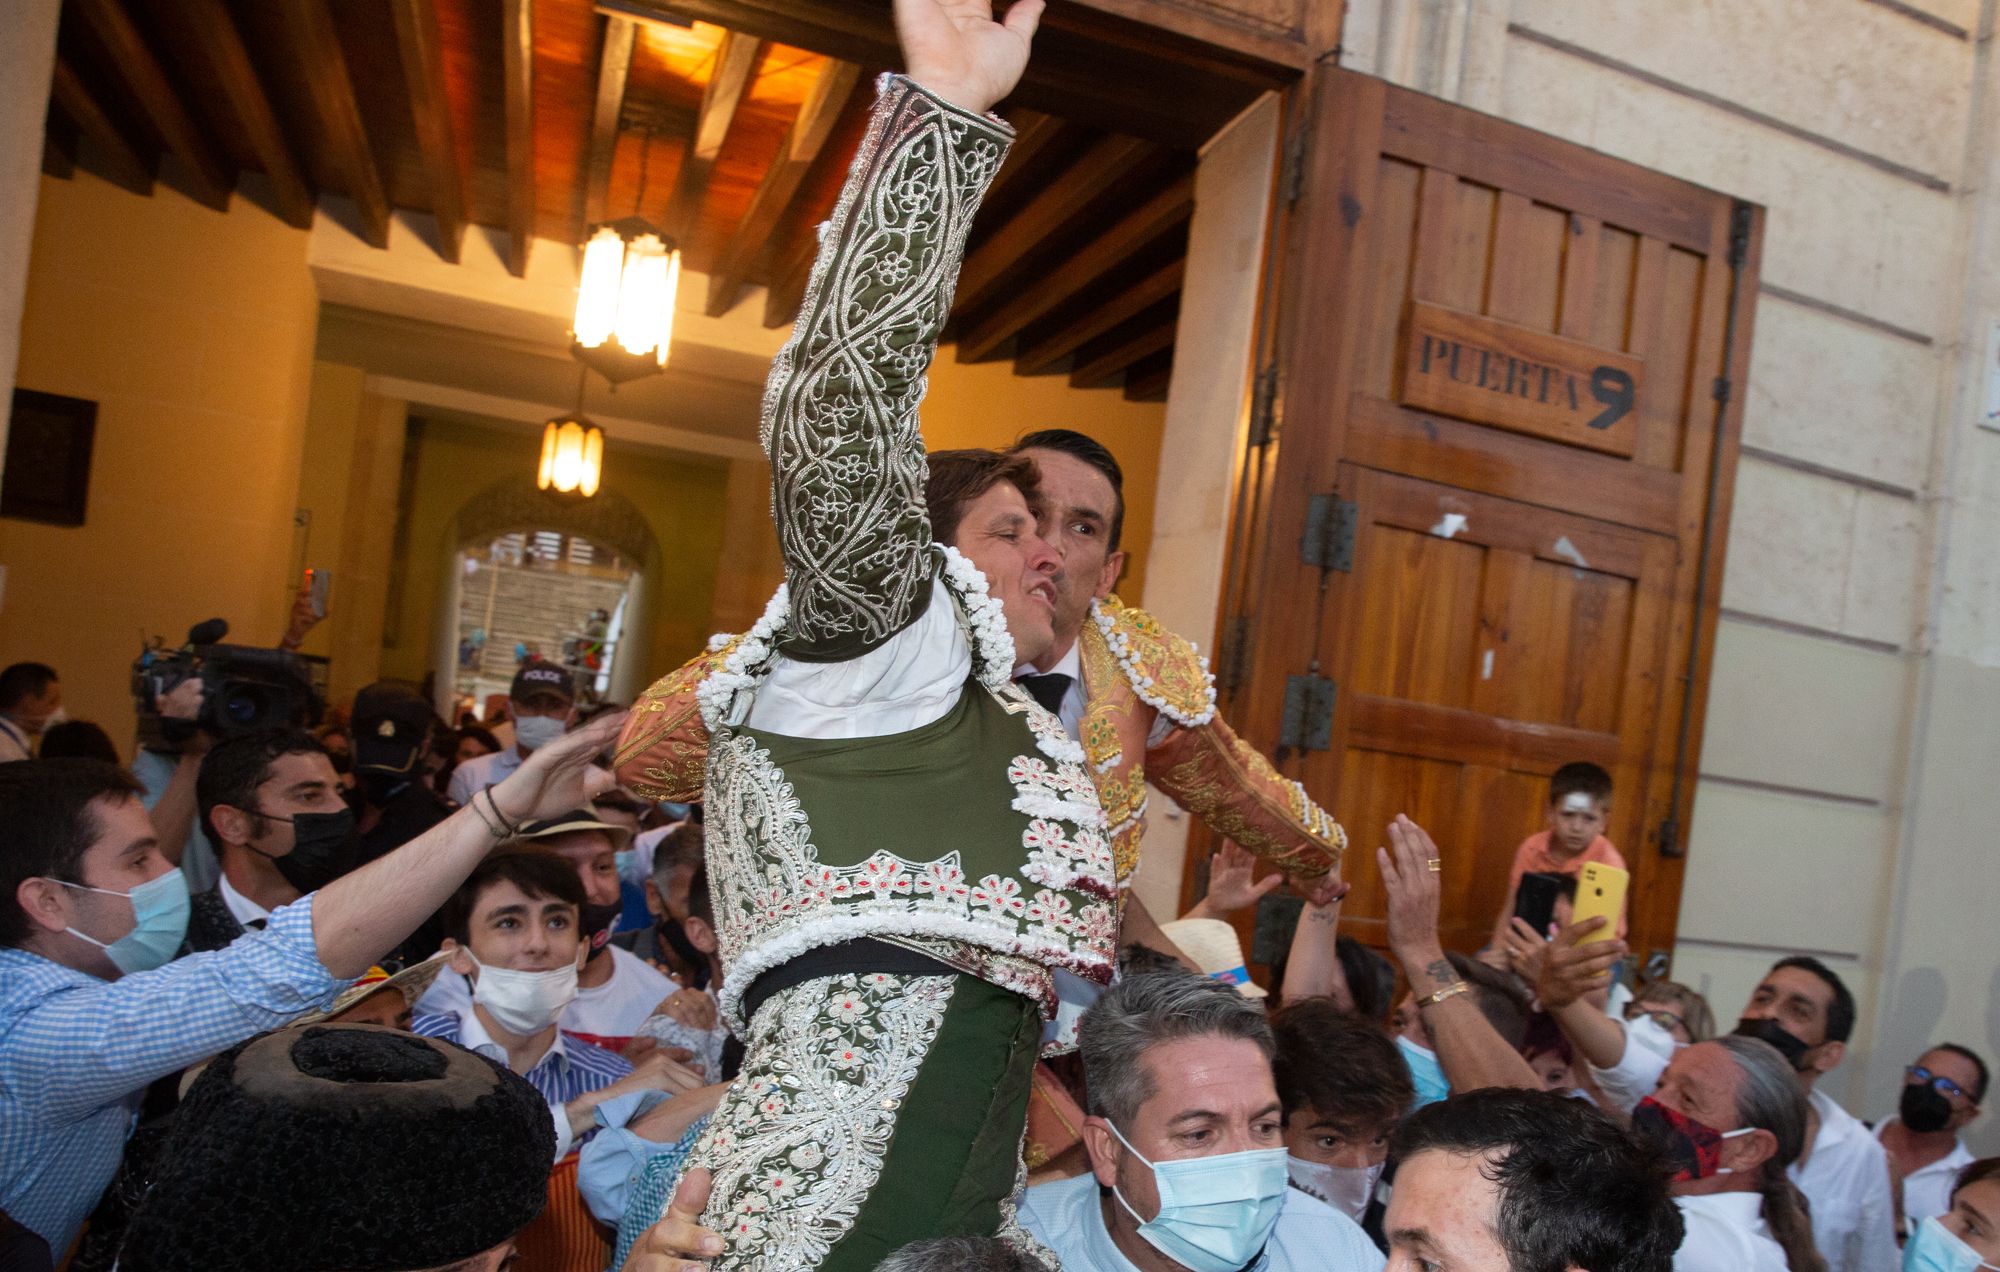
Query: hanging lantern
{"points": [[572, 456], [625, 291]]}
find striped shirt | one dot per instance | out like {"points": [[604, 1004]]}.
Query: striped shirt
{"points": [[77, 1053], [569, 1068]]}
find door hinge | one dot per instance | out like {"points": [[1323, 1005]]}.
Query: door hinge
{"points": [[1264, 407], [1307, 723], [1331, 524], [1670, 838], [1293, 180], [1721, 389], [1739, 233], [1234, 654]]}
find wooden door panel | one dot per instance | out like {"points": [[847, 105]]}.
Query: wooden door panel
{"points": [[1537, 552]]}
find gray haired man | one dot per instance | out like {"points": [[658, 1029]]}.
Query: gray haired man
{"points": [[1186, 1144]]}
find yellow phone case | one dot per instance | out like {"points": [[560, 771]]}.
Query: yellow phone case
{"points": [[1600, 894]]}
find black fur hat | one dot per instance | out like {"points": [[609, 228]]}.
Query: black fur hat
{"points": [[348, 1147]]}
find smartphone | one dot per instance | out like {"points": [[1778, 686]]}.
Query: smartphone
{"points": [[1535, 900], [1600, 893], [318, 584]]}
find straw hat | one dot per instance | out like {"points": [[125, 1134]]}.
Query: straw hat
{"points": [[1213, 946]]}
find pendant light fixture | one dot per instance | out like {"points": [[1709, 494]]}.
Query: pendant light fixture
{"points": [[626, 285], [572, 452]]}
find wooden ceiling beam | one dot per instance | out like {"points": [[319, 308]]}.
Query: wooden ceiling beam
{"points": [[614, 68], [728, 85], [230, 68], [1047, 348], [809, 133], [1103, 359], [789, 277], [121, 156], [209, 178], [517, 37], [59, 138], [1138, 229], [1042, 219], [1148, 379], [316, 46], [422, 48], [1033, 135]]}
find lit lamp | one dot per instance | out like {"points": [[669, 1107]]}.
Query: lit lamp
{"points": [[625, 299], [572, 456]]}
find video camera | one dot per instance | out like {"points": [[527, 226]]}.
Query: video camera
{"points": [[243, 688]]}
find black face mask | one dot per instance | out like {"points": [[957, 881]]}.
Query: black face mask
{"points": [[676, 938], [1924, 1108], [599, 921], [1790, 1045], [325, 846]]}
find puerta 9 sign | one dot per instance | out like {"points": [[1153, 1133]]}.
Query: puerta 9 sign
{"points": [[1520, 379]]}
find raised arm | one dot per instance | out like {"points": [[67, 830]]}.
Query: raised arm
{"points": [[1469, 1050], [840, 409]]}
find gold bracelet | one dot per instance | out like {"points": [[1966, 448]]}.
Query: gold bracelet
{"points": [[1433, 999]]}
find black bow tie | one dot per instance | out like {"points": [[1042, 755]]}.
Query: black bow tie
{"points": [[1046, 688]]}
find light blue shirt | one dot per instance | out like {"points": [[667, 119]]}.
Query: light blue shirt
{"points": [[1311, 1236], [77, 1053], [198, 860]]}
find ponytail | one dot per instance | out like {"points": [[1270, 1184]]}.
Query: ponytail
{"points": [[1789, 1217]]}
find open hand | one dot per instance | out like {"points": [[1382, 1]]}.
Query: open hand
{"points": [[1231, 886], [560, 776], [1571, 969], [678, 1242], [1410, 876], [1524, 948], [957, 50]]}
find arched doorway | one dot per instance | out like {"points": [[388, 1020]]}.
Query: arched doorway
{"points": [[538, 574]]}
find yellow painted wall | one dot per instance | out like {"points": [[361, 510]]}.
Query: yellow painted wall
{"points": [[683, 503], [986, 404], [193, 331]]}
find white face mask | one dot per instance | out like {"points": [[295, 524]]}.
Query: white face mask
{"points": [[536, 732], [523, 1002], [1347, 1189]]}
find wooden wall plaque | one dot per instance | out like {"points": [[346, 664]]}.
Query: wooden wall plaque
{"points": [[1516, 378]]}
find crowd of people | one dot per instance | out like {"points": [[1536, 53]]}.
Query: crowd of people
{"points": [[823, 955]]}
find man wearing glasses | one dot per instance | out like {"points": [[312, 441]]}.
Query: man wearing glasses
{"points": [[1942, 1092]]}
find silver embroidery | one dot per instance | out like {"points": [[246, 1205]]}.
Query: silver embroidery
{"points": [[799, 1139]]}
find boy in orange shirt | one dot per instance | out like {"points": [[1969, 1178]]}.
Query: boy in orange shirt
{"points": [[1579, 809]]}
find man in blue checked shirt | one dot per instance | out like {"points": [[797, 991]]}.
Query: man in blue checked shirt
{"points": [[91, 1011]]}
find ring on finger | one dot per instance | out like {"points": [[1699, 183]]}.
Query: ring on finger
{"points": [[1436, 864]]}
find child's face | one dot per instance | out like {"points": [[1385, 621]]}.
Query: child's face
{"points": [[1575, 820], [1552, 1069]]}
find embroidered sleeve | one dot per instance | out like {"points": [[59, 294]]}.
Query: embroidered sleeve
{"points": [[663, 749], [840, 408], [1219, 777]]}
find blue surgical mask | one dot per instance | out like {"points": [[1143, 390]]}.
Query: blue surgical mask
{"points": [[1216, 1212], [1936, 1248], [160, 920], [1425, 1073]]}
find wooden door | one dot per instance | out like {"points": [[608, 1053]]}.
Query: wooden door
{"points": [[1491, 512]]}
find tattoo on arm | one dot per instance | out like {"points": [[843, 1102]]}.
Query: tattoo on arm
{"points": [[1441, 972], [1331, 914]]}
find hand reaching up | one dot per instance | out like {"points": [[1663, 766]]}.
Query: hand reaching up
{"points": [[560, 776], [678, 1242], [959, 51]]}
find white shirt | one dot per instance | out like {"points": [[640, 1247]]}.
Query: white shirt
{"points": [[480, 771], [906, 683], [1846, 1178], [1927, 1192], [242, 908], [1648, 1048], [1311, 1236], [608, 1014], [1070, 709], [1726, 1232]]}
